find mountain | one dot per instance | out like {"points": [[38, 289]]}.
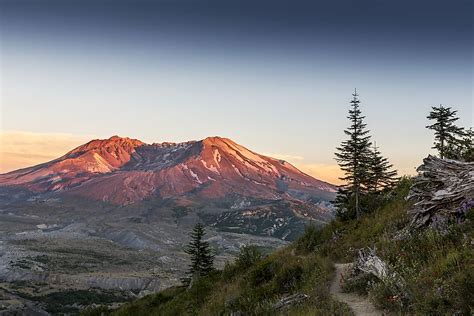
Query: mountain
{"points": [[114, 214], [124, 171]]}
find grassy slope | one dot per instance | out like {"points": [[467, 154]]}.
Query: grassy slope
{"points": [[438, 270]]}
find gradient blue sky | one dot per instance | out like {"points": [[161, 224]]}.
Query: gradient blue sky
{"points": [[275, 76]]}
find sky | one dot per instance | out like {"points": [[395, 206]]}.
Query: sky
{"points": [[275, 76]]}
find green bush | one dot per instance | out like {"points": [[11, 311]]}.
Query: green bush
{"points": [[262, 272], [360, 284], [470, 214], [311, 239], [96, 311], [229, 271], [463, 284], [248, 256], [288, 278], [317, 238], [383, 297]]}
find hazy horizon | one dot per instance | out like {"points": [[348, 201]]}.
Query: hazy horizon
{"points": [[274, 76]]}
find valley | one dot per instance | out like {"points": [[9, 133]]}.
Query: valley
{"points": [[121, 251]]}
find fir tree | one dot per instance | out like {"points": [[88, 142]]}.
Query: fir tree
{"points": [[381, 172], [446, 132], [463, 148], [202, 257], [353, 157], [344, 208], [467, 146]]}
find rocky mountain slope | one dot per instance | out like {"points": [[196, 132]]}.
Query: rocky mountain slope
{"points": [[125, 171]]}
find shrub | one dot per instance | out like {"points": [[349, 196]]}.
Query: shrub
{"points": [[360, 284], [288, 278], [96, 311], [262, 273], [248, 256], [383, 298], [464, 291], [311, 239], [229, 271]]}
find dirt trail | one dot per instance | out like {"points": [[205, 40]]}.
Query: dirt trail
{"points": [[360, 305]]}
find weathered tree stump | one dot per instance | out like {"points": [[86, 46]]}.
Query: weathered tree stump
{"points": [[369, 262], [443, 190]]}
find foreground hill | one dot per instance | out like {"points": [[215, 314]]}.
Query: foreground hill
{"points": [[436, 266]]}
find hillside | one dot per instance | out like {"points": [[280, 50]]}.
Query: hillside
{"points": [[436, 266]]}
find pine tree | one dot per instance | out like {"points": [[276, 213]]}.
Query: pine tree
{"points": [[202, 257], [381, 172], [353, 156], [446, 132]]}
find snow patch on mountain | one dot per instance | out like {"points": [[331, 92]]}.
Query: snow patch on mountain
{"points": [[217, 156], [211, 167], [237, 170], [195, 176]]}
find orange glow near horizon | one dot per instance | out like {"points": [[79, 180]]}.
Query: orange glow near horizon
{"points": [[325, 172], [24, 149]]}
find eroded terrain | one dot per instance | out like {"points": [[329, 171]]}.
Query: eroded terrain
{"points": [[61, 256]]}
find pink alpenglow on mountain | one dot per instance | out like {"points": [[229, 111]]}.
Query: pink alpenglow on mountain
{"points": [[124, 171]]}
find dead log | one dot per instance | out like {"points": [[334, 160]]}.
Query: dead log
{"points": [[290, 300], [442, 190], [368, 262]]}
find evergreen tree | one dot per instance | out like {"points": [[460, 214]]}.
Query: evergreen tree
{"points": [[463, 149], [345, 209], [467, 145], [353, 157], [381, 172], [446, 132], [202, 257]]}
